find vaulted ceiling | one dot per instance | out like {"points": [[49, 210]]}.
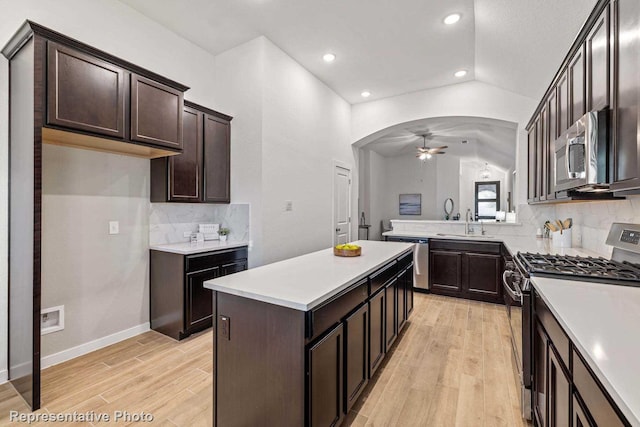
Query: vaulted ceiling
{"points": [[391, 47]]}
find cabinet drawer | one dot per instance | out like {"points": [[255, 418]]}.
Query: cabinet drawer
{"points": [[321, 318], [211, 259], [382, 276], [466, 246], [553, 329], [405, 260], [595, 399]]}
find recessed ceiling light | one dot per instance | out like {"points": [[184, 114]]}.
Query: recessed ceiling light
{"points": [[452, 19], [366, 94], [329, 57], [460, 73]]}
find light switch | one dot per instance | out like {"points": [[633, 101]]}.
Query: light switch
{"points": [[114, 227], [288, 205]]}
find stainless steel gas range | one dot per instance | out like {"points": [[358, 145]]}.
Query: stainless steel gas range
{"points": [[622, 269]]}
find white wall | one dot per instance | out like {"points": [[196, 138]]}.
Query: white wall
{"points": [[407, 175], [306, 127], [117, 29]]}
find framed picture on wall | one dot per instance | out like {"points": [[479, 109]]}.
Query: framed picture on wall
{"points": [[411, 204]]}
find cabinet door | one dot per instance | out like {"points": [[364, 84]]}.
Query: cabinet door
{"points": [[156, 113], [551, 135], [445, 272], [390, 324], [541, 166], [85, 93], [627, 109], [579, 414], [598, 48], [234, 267], [559, 392], [199, 300], [409, 291], [532, 161], [356, 334], [326, 380], [576, 86], [217, 158], [483, 276], [377, 345], [185, 176], [401, 300], [540, 348], [562, 92]]}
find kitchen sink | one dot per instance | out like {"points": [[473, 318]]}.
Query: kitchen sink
{"points": [[482, 236]]}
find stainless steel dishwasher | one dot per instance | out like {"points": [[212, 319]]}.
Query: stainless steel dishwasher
{"points": [[420, 260]]}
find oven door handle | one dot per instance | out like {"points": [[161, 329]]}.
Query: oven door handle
{"points": [[515, 295]]}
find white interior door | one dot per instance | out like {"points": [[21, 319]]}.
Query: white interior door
{"points": [[341, 205]]}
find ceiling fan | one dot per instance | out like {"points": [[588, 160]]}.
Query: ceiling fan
{"points": [[426, 153]]}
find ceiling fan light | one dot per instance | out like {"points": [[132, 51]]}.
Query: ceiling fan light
{"points": [[423, 156], [429, 155]]}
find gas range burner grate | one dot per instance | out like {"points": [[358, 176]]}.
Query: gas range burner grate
{"points": [[579, 268]]}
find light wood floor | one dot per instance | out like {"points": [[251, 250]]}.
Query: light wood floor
{"points": [[451, 366]]}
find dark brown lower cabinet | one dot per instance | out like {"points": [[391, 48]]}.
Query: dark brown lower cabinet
{"points": [[445, 272], [484, 276], [356, 339], [559, 392], [377, 345], [326, 380], [199, 307], [466, 269], [540, 346], [401, 296], [409, 290], [390, 325], [179, 303], [565, 391]]}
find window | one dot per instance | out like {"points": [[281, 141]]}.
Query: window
{"points": [[487, 199]]}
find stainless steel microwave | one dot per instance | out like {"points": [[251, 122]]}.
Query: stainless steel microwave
{"points": [[581, 155]]}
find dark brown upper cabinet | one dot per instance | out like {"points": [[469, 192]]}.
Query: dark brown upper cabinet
{"points": [[97, 101], [576, 87], [550, 136], [84, 92], [201, 174], [156, 113], [217, 159], [185, 174], [598, 48], [627, 105], [531, 152], [541, 163], [562, 93]]}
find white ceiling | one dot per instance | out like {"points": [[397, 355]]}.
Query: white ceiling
{"points": [[391, 47], [488, 140]]}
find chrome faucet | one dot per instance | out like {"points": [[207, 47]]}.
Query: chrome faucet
{"points": [[482, 230], [468, 228]]}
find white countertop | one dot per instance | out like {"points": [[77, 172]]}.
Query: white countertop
{"points": [[305, 282], [188, 248], [453, 222], [514, 244], [603, 321]]}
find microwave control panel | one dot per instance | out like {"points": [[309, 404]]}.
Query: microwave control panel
{"points": [[630, 236]]}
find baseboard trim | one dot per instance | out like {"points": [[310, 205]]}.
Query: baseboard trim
{"points": [[94, 345], [421, 290], [3, 376]]}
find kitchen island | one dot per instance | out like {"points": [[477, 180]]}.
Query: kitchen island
{"points": [[297, 341]]}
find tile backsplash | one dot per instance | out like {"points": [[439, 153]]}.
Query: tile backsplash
{"points": [[169, 221], [592, 220]]}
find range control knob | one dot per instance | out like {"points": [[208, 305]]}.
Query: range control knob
{"points": [[510, 265]]}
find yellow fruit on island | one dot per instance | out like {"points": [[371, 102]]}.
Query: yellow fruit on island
{"points": [[348, 247]]}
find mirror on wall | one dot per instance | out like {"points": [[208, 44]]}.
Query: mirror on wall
{"points": [[446, 160]]}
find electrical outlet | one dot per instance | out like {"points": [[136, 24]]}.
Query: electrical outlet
{"points": [[225, 327], [114, 227], [187, 234], [288, 205]]}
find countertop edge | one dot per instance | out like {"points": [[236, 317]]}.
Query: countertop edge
{"points": [[300, 306], [619, 401], [196, 249]]}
